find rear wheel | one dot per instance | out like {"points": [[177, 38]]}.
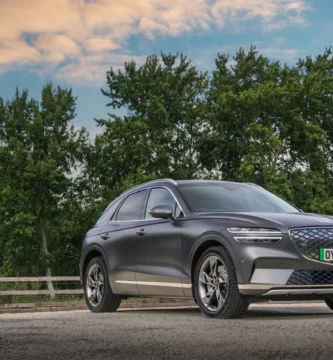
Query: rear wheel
{"points": [[97, 290], [329, 303], [216, 286]]}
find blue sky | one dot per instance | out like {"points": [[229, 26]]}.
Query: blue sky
{"points": [[76, 46]]}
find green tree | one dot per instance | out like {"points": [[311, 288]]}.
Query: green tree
{"points": [[164, 99], [255, 120], [39, 151], [272, 125]]}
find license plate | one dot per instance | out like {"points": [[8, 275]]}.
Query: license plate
{"points": [[326, 255]]}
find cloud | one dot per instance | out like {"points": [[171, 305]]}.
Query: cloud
{"points": [[88, 70], [278, 53], [284, 55], [51, 43], [18, 50], [69, 36], [275, 49]]}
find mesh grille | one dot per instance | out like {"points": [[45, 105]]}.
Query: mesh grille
{"points": [[309, 241], [311, 277]]}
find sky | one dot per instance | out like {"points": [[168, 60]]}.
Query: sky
{"points": [[72, 43]]}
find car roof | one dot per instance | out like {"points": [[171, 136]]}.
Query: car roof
{"points": [[149, 184], [175, 183], [182, 182]]}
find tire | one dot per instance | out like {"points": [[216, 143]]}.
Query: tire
{"points": [[227, 302], [329, 303], [103, 299]]}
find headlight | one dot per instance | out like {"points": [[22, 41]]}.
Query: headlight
{"points": [[255, 235]]}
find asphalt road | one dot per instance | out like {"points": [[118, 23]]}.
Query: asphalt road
{"points": [[291, 331]]}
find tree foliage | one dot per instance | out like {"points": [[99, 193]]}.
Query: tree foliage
{"points": [[251, 119], [38, 153], [165, 103], [272, 125]]}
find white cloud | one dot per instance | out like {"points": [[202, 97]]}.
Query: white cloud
{"points": [[276, 50], [12, 50], [91, 69], [281, 54], [69, 36]]}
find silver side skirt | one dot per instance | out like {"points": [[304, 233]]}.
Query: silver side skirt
{"points": [[151, 283]]}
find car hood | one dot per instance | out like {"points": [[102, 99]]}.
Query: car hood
{"points": [[282, 221]]}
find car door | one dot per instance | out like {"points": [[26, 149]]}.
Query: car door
{"points": [[119, 243], [158, 249]]}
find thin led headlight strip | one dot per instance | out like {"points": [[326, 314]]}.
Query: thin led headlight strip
{"points": [[265, 235]]}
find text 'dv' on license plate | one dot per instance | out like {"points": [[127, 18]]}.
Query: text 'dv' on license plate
{"points": [[326, 255]]}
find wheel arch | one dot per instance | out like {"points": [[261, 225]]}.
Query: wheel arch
{"points": [[91, 252], [205, 243]]}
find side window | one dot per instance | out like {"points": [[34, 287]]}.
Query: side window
{"points": [[131, 207], [159, 196], [109, 211]]}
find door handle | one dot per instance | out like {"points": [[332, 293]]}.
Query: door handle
{"points": [[141, 232], [105, 237]]}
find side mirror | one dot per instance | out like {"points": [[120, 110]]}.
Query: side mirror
{"points": [[162, 212]]}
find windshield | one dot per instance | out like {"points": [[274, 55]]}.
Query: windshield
{"points": [[232, 197]]}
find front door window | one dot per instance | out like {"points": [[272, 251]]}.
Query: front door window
{"points": [[159, 196]]}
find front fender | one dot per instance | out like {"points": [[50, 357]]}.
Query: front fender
{"points": [[218, 238]]}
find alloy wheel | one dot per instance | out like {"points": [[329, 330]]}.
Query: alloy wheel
{"points": [[95, 285], [213, 283]]}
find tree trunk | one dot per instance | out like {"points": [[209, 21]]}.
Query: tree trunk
{"points": [[48, 269]]}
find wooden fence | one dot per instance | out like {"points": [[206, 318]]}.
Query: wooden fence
{"points": [[40, 279]]}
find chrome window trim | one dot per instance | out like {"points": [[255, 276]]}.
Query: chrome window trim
{"points": [[147, 188]]}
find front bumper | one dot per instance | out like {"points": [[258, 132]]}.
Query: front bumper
{"points": [[272, 277], [288, 278], [273, 270]]}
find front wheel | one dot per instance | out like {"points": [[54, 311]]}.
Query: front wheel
{"points": [[216, 286], [97, 290], [329, 303]]}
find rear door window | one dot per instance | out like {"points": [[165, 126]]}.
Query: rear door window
{"points": [[132, 207], [109, 211]]}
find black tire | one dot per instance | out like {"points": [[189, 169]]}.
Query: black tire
{"points": [[329, 303], [235, 303], [109, 302]]}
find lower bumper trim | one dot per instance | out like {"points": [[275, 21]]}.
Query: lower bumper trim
{"points": [[276, 290], [290, 291]]}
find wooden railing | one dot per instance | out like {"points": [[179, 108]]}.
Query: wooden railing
{"points": [[40, 279]]}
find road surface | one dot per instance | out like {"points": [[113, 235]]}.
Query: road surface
{"points": [[283, 331]]}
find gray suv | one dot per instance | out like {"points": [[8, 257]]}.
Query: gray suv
{"points": [[224, 244]]}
